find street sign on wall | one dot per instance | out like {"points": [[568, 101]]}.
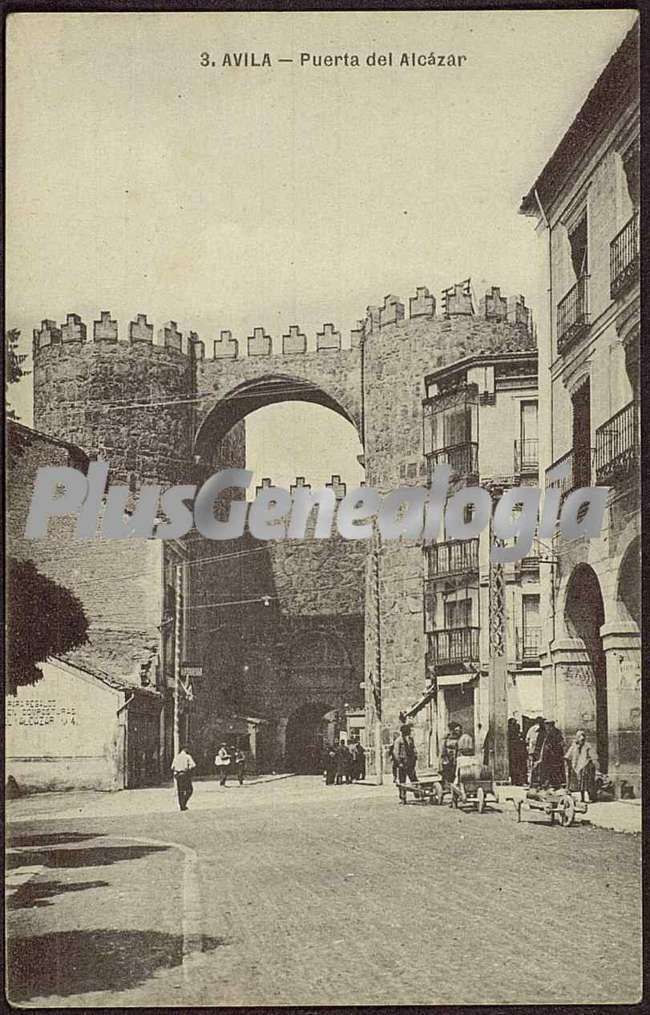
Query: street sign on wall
{"points": [[187, 670]]}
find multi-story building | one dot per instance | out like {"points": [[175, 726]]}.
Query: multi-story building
{"points": [[586, 202], [480, 418]]}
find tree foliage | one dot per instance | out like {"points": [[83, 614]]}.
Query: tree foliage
{"points": [[44, 619], [13, 363]]}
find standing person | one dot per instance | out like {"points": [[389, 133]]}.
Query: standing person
{"points": [[182, 767], [581, 767], [222, 761], [549, 771], [361, 762], [330, 765], [517, 756], [342, 760], [352, 749], [534, 738], [239, 762], [406, 756], [449, 753], [393, 759]]}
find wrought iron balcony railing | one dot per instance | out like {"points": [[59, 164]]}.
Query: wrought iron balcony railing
{"points": [[455, 557], [462, 458], [454, 645], [563, 482], [624, 258], [574, 473], [617, 445], [526, 456], [573, 314]]}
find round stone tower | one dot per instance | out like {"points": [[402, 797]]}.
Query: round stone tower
{"points": [[398, 352], [126, 402]]}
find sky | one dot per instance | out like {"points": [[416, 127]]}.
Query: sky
{"points": [[140, 181]]}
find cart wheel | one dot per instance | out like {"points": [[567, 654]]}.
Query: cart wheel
{"points": [[568, 811], [480, 799]]}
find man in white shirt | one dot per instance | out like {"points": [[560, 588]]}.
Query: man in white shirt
{"points": [[182, 767], [532, 737]]}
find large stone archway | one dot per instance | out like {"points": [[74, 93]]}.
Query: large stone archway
{"points": [[586, 700]]}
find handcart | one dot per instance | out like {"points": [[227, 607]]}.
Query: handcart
{"points": [[553, 802], [473, 785], [427, 790]]}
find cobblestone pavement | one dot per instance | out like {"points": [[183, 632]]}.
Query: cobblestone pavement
{"points": [[291, 892]]}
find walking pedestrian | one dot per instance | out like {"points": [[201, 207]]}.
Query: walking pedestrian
{"points": [[406, 756], [581, 767], [222, 761], [239, 762], [182, 767]]}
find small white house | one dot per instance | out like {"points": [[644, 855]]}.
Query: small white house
{"points": [[80, 730]]}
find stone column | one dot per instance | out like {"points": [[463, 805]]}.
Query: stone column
{"points": [[571, 700], [622, 647]]}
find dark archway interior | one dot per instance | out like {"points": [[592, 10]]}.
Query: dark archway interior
{"points": [[584, 616], [629, 581], [255, 395], [305, 738]]}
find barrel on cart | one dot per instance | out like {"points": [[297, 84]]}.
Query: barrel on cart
{"points": [[473, 785]]}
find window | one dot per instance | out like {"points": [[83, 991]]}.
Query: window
{"points": [[578, 244], [582, 436], [458, 613], [450, 427], [528, 435], [531, 630]]}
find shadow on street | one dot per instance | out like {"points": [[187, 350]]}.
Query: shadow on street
{"points": [[52, 839], [36, 895], [97, 856], [75, 962]]}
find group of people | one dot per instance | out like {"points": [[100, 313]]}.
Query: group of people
{"points": [[228, 760], [538, 759], [550, 765], [344, 763]]}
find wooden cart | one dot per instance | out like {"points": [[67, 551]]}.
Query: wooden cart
{"points": [[427, 790], [473, 786], [552, 802]]}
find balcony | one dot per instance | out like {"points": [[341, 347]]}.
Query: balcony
{"points": [[526, 456], [624, 258], [455, 645], [563, 483], [576, 473], [530, 641], [573, 315], [455, 557], [462, 459], [617, 445]]}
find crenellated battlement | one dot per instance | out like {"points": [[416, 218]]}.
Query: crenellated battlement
{"points": [[458, 300], [105, 331], [335, 483]]}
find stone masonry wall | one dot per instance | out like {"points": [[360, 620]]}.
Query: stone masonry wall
{"points": [[397, 354]]}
